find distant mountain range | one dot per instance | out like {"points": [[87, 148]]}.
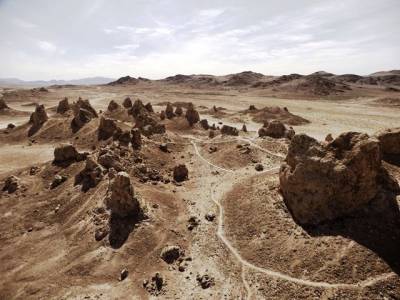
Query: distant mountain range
{"points": [[35, 83]]}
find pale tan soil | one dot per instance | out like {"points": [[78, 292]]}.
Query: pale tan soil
{"points": [[252, 249]]}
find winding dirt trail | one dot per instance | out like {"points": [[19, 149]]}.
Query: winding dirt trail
{"points": [[271, 273]]}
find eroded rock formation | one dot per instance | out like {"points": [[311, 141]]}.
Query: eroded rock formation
{"points": [[322, 181]]}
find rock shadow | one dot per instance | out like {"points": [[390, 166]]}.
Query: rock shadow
{"points": [[121, 228], [376, 227]]}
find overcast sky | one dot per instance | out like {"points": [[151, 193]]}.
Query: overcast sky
{"points": [[66, 39]]}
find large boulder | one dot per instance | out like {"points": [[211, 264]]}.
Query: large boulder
{"points": [[192, 115], [229, 130], [180, 173], [127, 102], [37, 119], [83, 113], [67, 153], [204, 124], [169, 111], [3, 104], [389, 142], [107, 128], [109, 159], [321, 181], [136, 140], [276, 129], [39, 116], [121, 199], [63, 106], [178, 111], [113, 106]]}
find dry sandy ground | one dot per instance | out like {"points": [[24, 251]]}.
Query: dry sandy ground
{"points": [[253, 249]]}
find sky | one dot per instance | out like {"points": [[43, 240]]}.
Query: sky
{"points": [[69, 39]]}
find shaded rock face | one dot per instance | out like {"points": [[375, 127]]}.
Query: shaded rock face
{"points": [[11, 184], [321, 182], [85, 104], [169, 111], [110, 160], [229, 130], [3, 104], [63, 106], [37, 119], [244, 128], [83, 113], [180, 173], [136, 140], [329, 138], [192, 115], [121, 200], [389, 142], [211, 134], [149, 107], [170, 254], [82, 117], [204, 124], [107, 128], [67, 153], [179, 111], [90, 176], [113, 106], [276, 129], [127, 102], [124, 138]]}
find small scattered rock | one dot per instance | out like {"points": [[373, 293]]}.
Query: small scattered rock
{"points": [[193, 223], [11, 184], [164, 147], [58, 179], [205, 281], [259, 167], [123, 275], [210, 217]]}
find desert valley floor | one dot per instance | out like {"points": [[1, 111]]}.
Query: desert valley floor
{"points": [[223, 232]]}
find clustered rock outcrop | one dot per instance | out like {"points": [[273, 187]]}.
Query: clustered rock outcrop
{"points": [[121, 199], [276, 129], [229, 130], [324, 181], [83, 113], [145, 119], [91, 175]]}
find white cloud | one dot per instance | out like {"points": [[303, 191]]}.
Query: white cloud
{"points": [[47, 46]]}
